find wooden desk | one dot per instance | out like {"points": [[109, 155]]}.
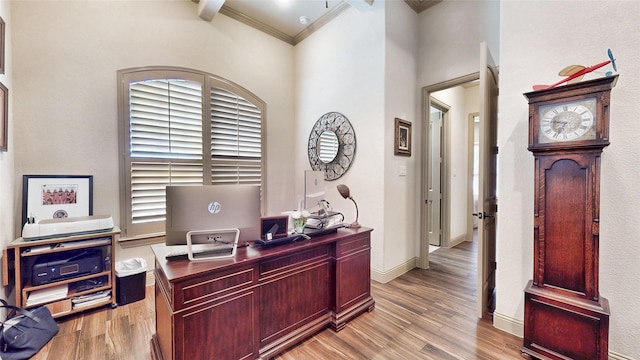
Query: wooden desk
{"points": [[261, 302]]}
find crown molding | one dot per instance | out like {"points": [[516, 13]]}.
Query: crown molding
{"points": [[238, 16], [323, 20], [421, 5]]}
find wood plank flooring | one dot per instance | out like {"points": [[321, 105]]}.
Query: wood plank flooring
{"points": [[423, 314]]}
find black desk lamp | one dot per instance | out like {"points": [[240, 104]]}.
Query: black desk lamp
{"points": [[344, 191]]}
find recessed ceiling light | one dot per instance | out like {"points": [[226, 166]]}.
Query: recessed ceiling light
{"points": [[304, 20]]}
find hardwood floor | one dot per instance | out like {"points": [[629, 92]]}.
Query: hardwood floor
{"points": [[423, 314]]}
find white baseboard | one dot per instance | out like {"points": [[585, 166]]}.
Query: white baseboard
{"points": [[386, 276], [616, 356], [456, 241], [508, 324]]}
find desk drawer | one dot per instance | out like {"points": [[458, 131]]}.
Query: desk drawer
{"points": [[214, 286], [288, 263], [352, 245]]}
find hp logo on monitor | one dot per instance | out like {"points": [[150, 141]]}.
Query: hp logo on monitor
{"points": [[214, 207]]}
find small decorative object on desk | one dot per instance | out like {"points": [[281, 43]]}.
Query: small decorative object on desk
{"points": [[300, 220], [24, 332]]}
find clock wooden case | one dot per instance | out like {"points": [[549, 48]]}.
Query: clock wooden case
{"points": [[565, 316]]}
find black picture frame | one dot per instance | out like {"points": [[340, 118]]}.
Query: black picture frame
{"points": [[402, 138], [267, 223], [37, 204]]}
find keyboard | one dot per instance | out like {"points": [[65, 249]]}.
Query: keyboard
{"points": [[322, 231], [182, 254], [282, 240]]}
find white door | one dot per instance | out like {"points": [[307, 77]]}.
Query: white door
{"points": [[487, 196], [434, 180]]}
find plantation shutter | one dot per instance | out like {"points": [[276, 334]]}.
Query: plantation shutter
{"points": [[236, 139], [165, 142], [173, 132]]}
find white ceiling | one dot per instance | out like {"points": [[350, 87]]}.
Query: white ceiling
{"points": [[284, 15], [281, 18]]}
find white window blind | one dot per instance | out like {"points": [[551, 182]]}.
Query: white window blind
{"points": [[165, 124], [172, 133], [236, 139]]}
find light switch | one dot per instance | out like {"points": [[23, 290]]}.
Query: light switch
{"points": [[402, 170]]}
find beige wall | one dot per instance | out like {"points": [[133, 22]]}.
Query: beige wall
{"points": [[401, 99], [339, 68], [67, 54], [363, 64], [538, 39], [7, 196]]}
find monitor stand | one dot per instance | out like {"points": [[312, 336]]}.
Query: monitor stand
{"points": [[212, 244]]}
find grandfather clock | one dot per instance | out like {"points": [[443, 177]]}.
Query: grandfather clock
{"points": [[564, 316]]}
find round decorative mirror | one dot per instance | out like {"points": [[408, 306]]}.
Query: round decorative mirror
{"points": [[332, 145]]}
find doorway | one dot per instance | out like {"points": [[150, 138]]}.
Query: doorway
{"points": [[426, 148], [487, 183], [435, 178], [449, 181], [487, 175]]}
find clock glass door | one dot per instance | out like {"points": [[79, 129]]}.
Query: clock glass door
{"points": [[567, 121]]}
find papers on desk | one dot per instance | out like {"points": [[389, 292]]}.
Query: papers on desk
{"points": [[37, 249], [85, 243], [91, 299], [68, 245], [47, 295]]}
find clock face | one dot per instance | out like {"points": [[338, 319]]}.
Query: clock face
{"points": [[567, 121]]}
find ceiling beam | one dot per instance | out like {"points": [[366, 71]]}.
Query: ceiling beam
{"points": [[207, 9]]}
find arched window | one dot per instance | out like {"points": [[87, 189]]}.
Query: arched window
{"points": [[182, 127]]}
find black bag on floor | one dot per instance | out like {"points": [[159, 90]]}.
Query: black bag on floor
{"points": [[24, 332]]}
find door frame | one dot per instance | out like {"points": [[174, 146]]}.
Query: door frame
{"points": [[423, 260]]}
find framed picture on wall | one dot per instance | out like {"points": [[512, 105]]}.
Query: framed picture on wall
{"points": [[2, 45], [4, 117], [402, 142], [56, 196]]}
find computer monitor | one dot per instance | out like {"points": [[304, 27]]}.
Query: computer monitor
{"points": [[313, 189], [212, 207]]}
